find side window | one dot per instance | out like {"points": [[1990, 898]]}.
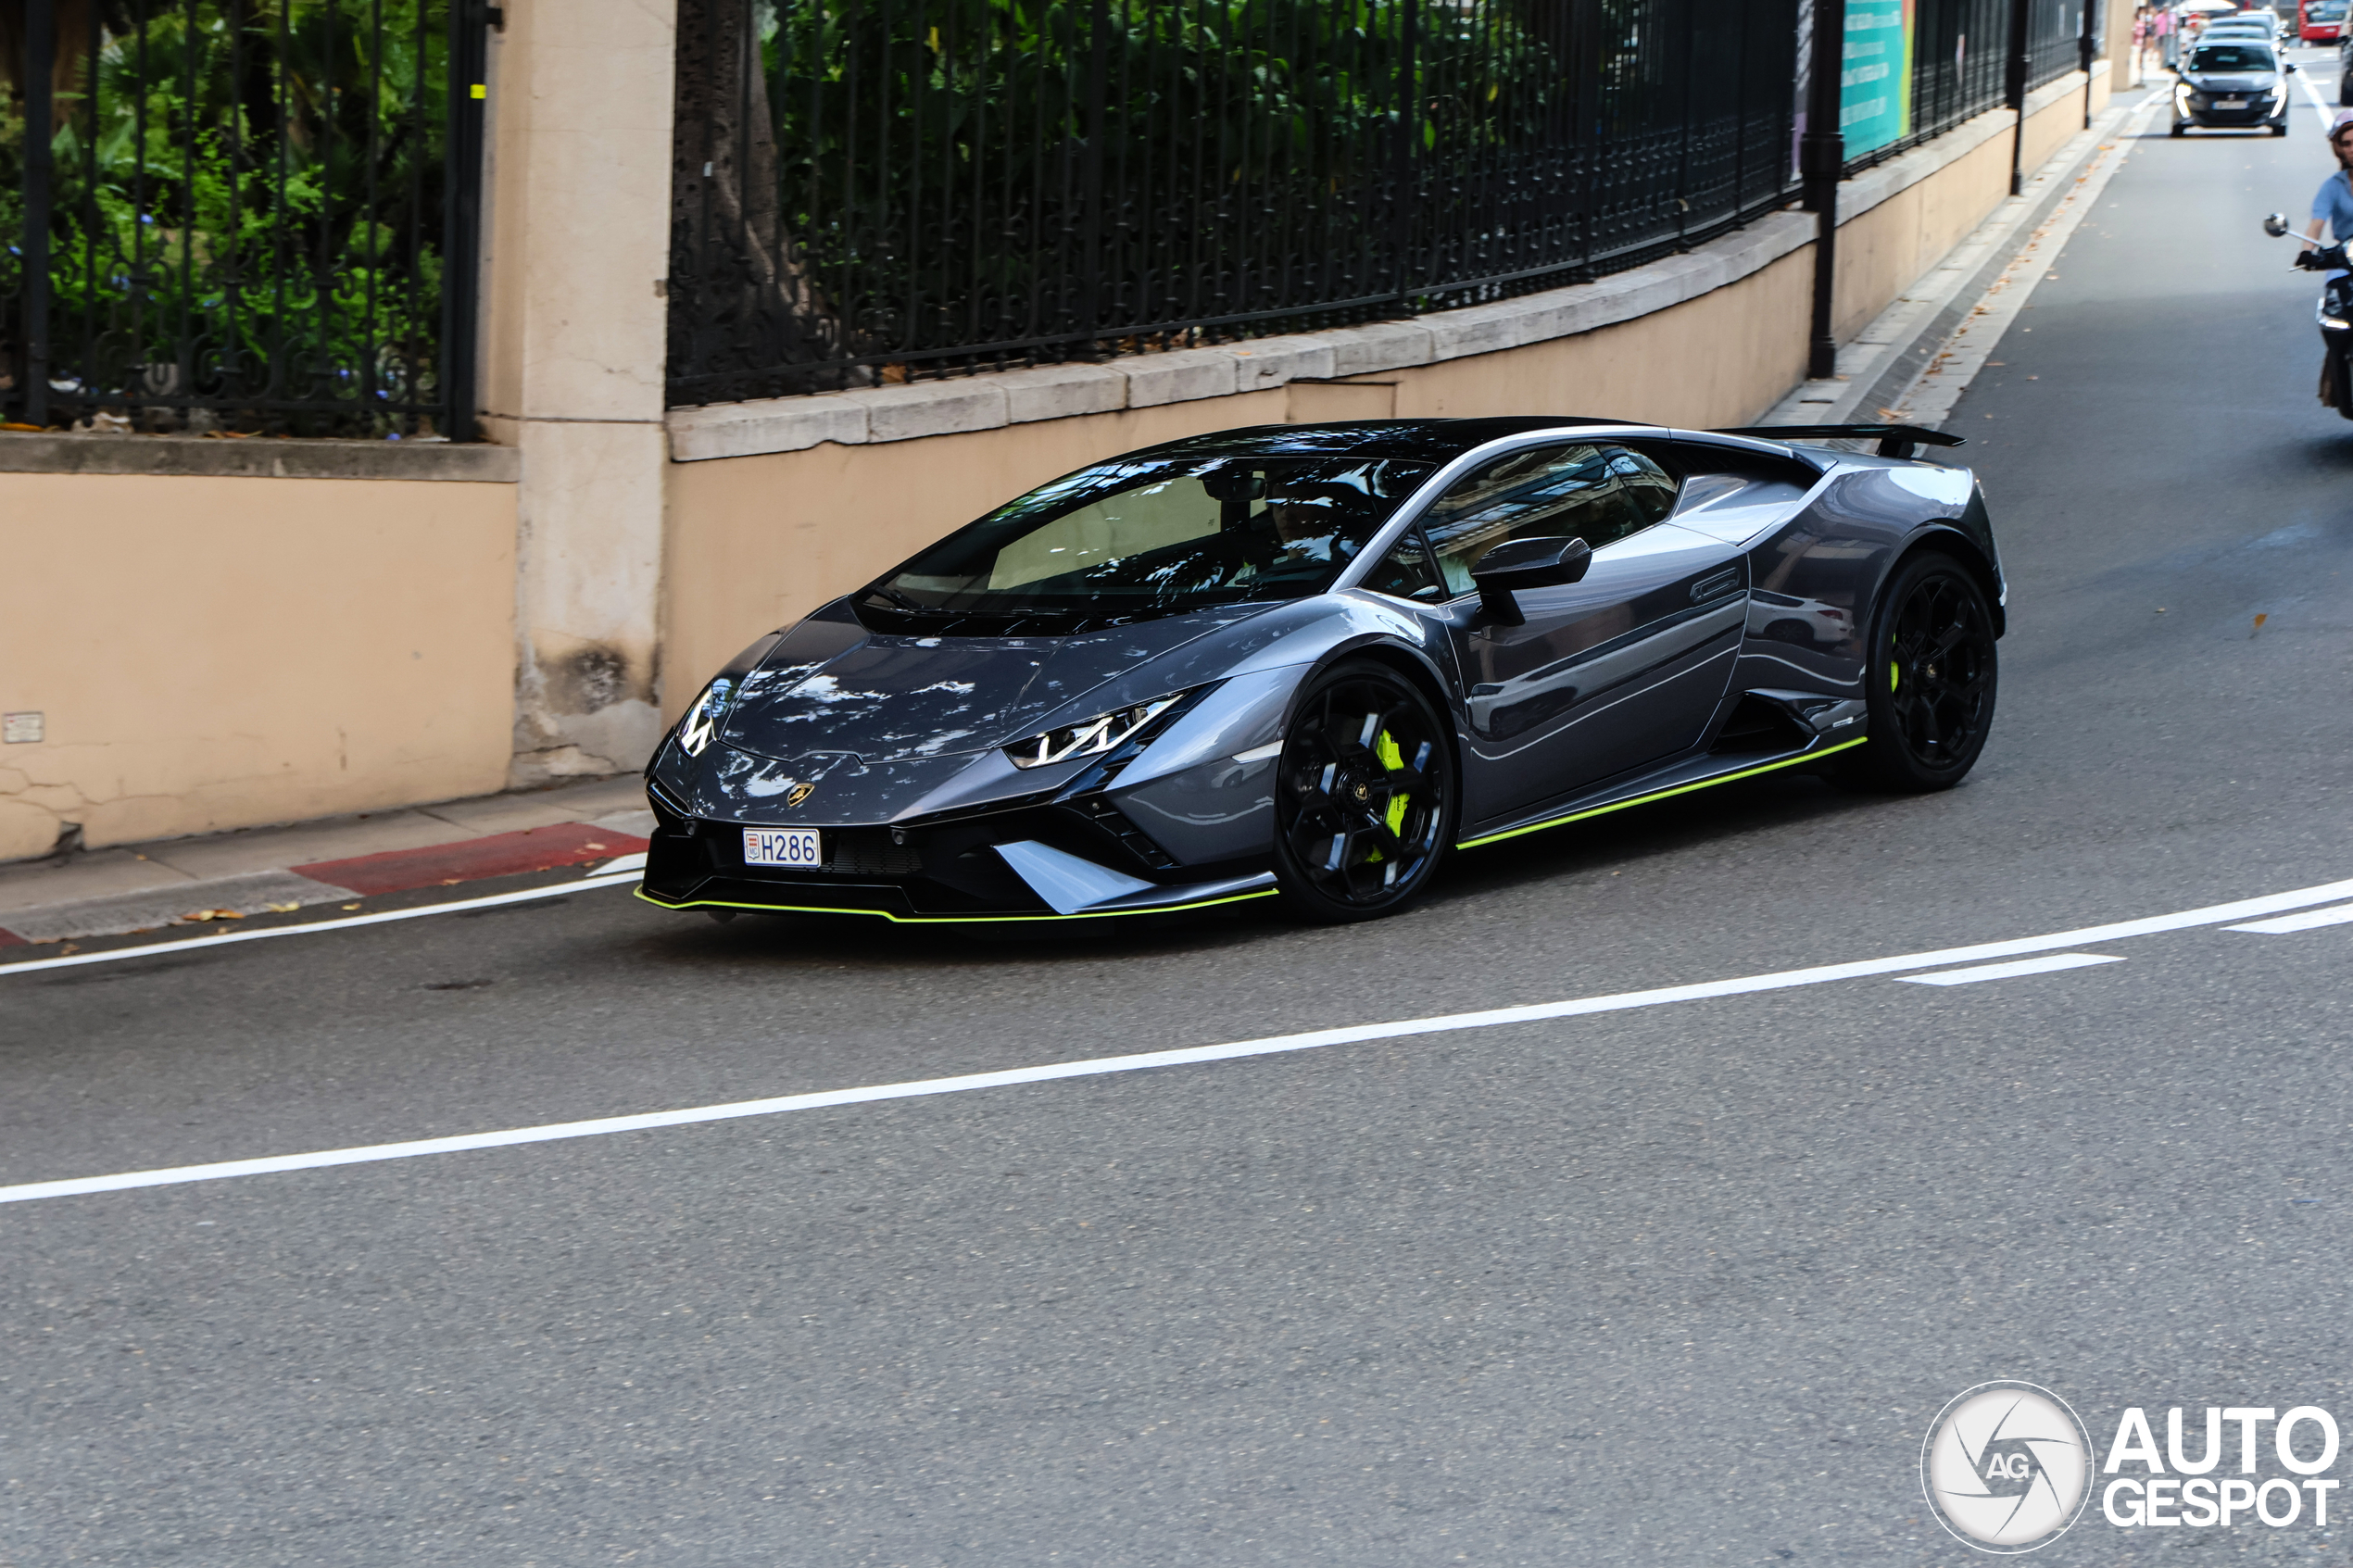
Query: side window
{"points": [[1596, 494], [1406, 572]]}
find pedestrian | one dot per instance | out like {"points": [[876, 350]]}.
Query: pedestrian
{"points": [[2167, 42]]}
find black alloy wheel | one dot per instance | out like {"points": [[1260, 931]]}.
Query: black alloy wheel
{"points": [[1364, 795], [1931, 679]]}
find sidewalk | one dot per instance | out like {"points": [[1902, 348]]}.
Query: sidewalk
{"points": [[189, 881]]}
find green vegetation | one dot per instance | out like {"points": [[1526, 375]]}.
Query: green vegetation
{"points": [[966, 170], [247, 210]]}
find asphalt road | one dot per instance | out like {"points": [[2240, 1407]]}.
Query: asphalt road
{"points": [[1674, 1284]]}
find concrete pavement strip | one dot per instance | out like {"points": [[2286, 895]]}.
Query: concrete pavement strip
{"points": [[190, 881]]}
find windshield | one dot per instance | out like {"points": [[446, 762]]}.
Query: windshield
{"points": [[1141, 538], [2326, 11], [2230, 58]]}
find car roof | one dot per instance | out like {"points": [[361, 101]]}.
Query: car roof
{"points": [[1429, 441]]}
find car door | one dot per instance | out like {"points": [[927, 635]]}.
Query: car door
{"points": [[1604, 675]]}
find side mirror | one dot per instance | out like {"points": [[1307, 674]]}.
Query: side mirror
{"points": [[2276, 225], [2288, 68], [1525, 563]]}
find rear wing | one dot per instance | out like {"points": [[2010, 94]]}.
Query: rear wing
{"points": [[1894, 440]]}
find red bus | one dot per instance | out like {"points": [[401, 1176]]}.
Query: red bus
{"points": [[2317, 21]]}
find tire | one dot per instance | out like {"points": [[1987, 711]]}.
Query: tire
{"points": [[2180, 126], [2337, 382], [2280, 130], [1365, 795], [1929, 679]]}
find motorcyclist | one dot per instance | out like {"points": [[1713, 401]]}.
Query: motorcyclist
{"points": [[2332, 204]]}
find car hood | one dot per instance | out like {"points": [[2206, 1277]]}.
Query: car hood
{"points": [[831, 685]]}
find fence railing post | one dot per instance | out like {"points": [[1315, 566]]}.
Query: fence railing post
{"points": [[1821, 159], [2086, 48], [470, 24], [2021, 64], [39, 129]]}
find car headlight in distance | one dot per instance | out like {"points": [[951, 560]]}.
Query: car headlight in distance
{"points": [[1105, 733], [702, 723]]}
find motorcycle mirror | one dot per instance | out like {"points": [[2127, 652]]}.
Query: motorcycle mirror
{"points": [[2276, 225]]}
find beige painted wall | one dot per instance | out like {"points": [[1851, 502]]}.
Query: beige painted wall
{"points": [[215, 652], [755, 543], [2047, 131]]}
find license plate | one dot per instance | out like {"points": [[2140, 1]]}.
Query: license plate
{"points": [[782, 846], [2230, 103]]}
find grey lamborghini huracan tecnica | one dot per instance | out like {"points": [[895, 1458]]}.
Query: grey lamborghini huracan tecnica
{"points": [[1307, 660]]}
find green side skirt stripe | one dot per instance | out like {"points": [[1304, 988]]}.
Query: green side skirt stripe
{"points": [[1663, 793]]}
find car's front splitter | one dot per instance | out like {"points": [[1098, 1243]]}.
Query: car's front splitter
{"points": [[892, 904]]}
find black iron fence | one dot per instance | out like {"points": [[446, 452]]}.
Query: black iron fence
{"points": [[2053, 38], [870, 190], [240, 215], [1962, 60]]}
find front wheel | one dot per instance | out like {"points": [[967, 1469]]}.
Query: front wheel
{"points": [[2180, 126], [1930, 679], [1365, 800]]}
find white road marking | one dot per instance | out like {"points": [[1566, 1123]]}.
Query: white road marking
{"points": [[625, 863], [1099, 1066], [2310, 919], [194, 944], [2007, 971]]}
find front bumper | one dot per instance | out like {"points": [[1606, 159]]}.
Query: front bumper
{"points": [[1057, 859], [2254, 116]]}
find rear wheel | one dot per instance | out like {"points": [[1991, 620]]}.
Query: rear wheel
{"points": [[1929, 679], [1363, 796]]}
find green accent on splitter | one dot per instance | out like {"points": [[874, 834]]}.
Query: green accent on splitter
{"points": [[943, 920], [1664, 793]]}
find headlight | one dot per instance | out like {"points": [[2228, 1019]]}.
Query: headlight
{"points": [[1092, 738], [701, 721]]}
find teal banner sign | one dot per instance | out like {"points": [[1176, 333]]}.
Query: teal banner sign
{"points": [[1875, 75]]}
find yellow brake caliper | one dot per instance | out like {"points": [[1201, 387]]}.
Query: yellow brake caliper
{"points": [[1392, 758]]}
